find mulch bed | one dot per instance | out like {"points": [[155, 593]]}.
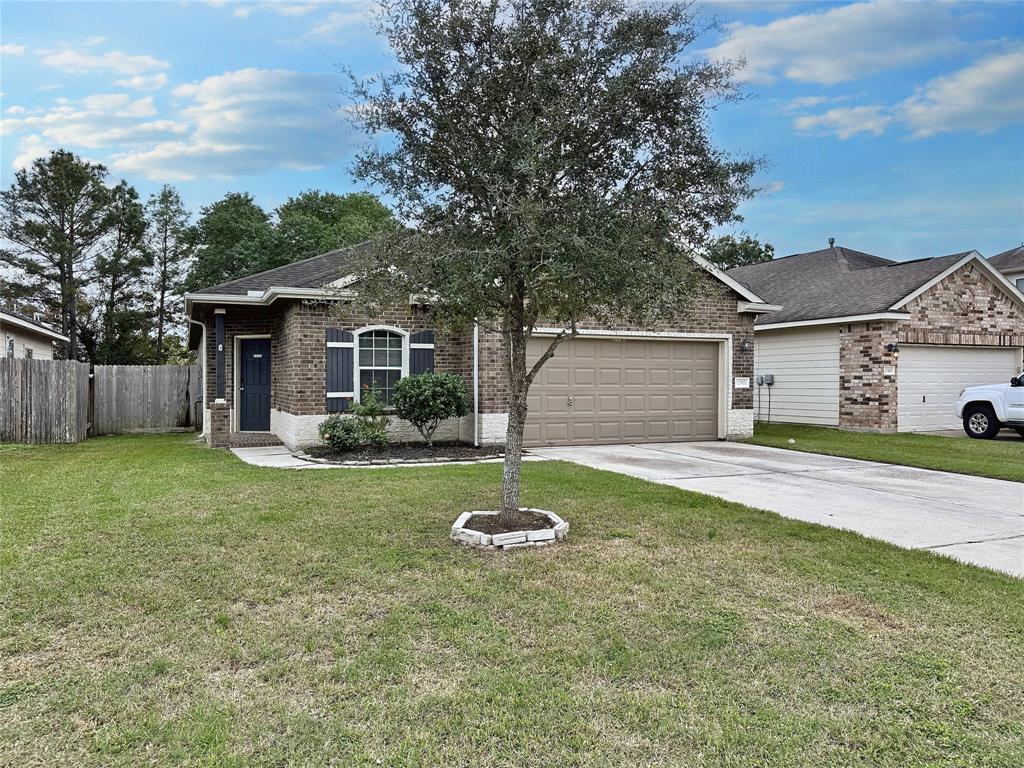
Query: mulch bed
{"points": [[521, 521], [409, 452]]}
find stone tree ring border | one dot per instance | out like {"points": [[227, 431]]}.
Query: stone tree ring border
{"points": [[539, 537]]}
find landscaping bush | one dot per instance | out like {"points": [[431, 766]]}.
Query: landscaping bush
{"points": [[341, 433], [427, 399], [366, 425]]}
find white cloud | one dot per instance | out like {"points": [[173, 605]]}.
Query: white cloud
{"points": [[77, 62], [979, 98], [10, 49], [846, 122], [94, 40], [144, 82], [29, 148], [247, 121], [49, 87], [15, 110], [100, 120], [842, 43]]}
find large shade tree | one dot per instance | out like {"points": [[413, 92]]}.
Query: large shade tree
{"points": [[552, 161], [54, 222]]}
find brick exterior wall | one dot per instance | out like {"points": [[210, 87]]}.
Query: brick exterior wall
{"points": [[867, 397], [298, 351], [965, 309]]}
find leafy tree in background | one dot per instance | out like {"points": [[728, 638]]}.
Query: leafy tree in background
{"points": [[232, 238], [315, 222], [728, 251], [555, 158], [235, 237], [55, 218], [171, 246]]}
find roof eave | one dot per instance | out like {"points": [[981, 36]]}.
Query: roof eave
{"points": [[870, 317], [264, 298], [734, 284], [33, 327]]}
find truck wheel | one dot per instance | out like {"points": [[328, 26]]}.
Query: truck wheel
{"points": [[980, 422]]}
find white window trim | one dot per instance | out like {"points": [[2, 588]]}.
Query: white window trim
{"points": [[357, 368]]}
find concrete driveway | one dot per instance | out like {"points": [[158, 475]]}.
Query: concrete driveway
{"points": [[973, 519]]}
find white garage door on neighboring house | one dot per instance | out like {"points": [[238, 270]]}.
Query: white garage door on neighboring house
{"points": [[608, 390], [931, 377]]}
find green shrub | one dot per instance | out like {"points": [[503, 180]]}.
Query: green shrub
{"points": [[341, 433], [427, 399], [365, 424], [369, 412]]}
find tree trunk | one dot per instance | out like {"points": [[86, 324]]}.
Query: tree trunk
{"points": [[513, 456]]}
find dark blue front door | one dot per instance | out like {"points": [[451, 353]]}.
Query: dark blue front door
{"points": [[254, 386]]}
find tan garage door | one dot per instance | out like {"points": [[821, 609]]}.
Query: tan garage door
{"points": [[623, 391]]}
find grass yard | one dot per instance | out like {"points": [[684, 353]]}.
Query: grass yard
{"points": [[165, 605], [1001, 459]]}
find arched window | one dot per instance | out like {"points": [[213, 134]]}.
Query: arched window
{"points": [[380, 362]]}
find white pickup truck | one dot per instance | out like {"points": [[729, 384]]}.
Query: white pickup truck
{"points": [[987, 409]]}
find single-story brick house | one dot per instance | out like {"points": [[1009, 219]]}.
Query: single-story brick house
{"points": [[1011, 264], [862, 342], [24, 336], [281, 350]]}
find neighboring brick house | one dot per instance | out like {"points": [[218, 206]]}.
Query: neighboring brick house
{"points": [[284, 348], [866, 343], [24, 336]]}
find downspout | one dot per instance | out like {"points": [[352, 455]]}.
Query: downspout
{"points": [[202, 362], [476, 385]]}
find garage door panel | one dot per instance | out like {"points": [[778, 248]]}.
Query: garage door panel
{"points": [[930, 379], [625, 390]]}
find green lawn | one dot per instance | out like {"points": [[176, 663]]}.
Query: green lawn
{"points": [[162, 604], [1001, 459]]}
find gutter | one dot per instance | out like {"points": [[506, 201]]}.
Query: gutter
{"points": [[476, 385], [202, 362]]}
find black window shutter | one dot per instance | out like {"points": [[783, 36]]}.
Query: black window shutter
{"points": [[339, 370], [421, 352]]}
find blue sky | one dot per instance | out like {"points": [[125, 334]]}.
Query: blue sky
{"points": [[896, 127]]}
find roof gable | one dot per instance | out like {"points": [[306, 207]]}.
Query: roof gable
{"points": [[840, 282]]}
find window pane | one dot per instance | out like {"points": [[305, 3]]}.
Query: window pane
{"points": [[394, 358], [365, 357]]}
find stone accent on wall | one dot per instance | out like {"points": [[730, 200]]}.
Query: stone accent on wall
{"points": [[740, 424], [303, 431], [867, 396]]}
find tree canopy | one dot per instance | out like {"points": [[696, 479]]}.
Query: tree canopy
{"points": [[731, 251], [553, 161], [235, 237]]}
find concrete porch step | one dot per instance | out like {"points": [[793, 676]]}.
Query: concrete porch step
{"points": [[254, 439]]}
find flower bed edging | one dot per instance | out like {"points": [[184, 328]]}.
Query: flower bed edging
{"points": [[386, 462], [538, 537]]}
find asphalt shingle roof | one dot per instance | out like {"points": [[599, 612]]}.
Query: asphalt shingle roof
{"points": [[1009, 261], [314, 272], [836, 282]]}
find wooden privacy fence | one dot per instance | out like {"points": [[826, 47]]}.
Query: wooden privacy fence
{"points": [[43, 401], [144, 398], [53, 401]]}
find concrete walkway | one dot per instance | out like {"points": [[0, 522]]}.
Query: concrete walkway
{"points": [[973, 519]]}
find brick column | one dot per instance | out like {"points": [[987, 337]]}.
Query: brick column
{"points": [[219, 435]]}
